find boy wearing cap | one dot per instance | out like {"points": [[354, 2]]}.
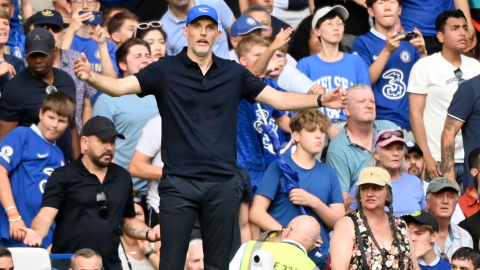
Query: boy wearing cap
{"points": [[442, 197], [29, 155], [23, 95], [390, 61], [423, 228]]}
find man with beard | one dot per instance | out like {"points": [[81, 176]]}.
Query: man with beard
{"points": [[89, 199]]}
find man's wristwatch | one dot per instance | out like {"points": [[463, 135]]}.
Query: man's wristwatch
{"points": [[146, 234], [319, 101], [150, 253]]}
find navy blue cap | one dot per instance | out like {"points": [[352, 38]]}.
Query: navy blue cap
{"points": [[246, 24], [39, 40], [202, 10], [48, 16]]}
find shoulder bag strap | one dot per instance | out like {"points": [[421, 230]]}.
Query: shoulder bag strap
{"points": [[360, 244]]}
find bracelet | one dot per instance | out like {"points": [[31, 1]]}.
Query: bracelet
{"points": [[17, 219], [10, 208], [150, 253], [319, 101], [146, 234], [12, 215]]}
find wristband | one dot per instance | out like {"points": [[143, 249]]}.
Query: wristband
{"points": [[150, 253], [14, 214], [10, 208], [146, 234], [17, 219], [319, 101]]}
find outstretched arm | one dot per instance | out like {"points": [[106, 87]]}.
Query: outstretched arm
{"points": [[135, 228], [40, 226], [111, 86]]}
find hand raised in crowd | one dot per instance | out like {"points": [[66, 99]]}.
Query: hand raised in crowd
{"points": [[432, 167], [276, 64], [32, 238], [472, 38], [362, 3], [6, 67], [316, 90], [15, 232], [82, 67], [281, 39], [392, 42], [97, 33], [335, 99], [299, 196], [419, 43], [154, 234], [77, 20]]}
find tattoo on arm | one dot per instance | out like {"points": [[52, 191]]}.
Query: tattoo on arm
{"points": [[449, 124], [448, 158], [132, 230]]}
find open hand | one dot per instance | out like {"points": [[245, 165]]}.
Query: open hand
{"points": [[281, 39], [32, 238], [335, 99]]}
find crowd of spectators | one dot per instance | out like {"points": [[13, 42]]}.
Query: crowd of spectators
{"points": [[200, 134]]}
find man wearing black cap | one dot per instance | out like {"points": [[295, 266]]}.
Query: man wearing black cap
{"points": [[23, 95], [89, 199], [423, 229], [64, 60], [414, 163]]}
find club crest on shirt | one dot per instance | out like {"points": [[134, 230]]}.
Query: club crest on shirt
{"points": [[97, 54], [405, 56], [396, 88], [6, 153]]}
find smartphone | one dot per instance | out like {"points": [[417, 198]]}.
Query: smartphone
{"points": [[97, 17], [407, 36]]}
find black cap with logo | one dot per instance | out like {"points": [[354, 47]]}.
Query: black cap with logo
{"points": [[422, 218], [48, 16], [39, 40]]}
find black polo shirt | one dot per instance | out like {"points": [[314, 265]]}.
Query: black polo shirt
{"points": [[23, 96], [471, 225], [199, 113], [72, 190], [17, 64]]}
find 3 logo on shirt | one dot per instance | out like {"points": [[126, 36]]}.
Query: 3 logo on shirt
{"points": [[396, 88], [6, 153], [41, 185]]}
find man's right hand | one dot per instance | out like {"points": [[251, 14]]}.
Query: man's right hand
{"points": [[282, 38], [335, 99], [392, 42], [82, 67], [77, 20], [7, 68], [32, 238], [432, 167], [15, 232]]}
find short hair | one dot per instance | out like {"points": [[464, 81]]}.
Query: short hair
{"points": [[257, 8], [421, 227], [371, 2], [118, 19], [309, 120], [441, 20], [468, 254], [27, 25], [4, 252], [108, 12], [85, 253], [4, 14], [60, 103], [247, 43], [271, 39], [124, 49]]}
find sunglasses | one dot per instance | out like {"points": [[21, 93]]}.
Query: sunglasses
{"points": [[459, 74], [143, 26], [388, 135], [51, 27], [102, 200], [271, 234]]}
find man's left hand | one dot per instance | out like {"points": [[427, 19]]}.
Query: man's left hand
{"points": [[472, 38], [299, 196], [154, 234], [335, 99]]}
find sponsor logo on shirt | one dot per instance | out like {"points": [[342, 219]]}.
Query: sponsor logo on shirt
{"points": [[48, 171], [405, 56], [6, 153], [396, 88]]}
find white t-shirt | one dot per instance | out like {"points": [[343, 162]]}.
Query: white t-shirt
{"points": [[434, 76], [149, 144]]}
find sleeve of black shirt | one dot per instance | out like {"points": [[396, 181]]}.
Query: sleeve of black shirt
{"points": [[129, 211], [246, 185], [55, 189], [251, 86], [150, 76], [11, 104], [462, 103]]}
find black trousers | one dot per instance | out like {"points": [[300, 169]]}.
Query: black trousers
{"points": [[216, 204]]}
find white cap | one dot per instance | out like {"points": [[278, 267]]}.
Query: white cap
{"points": [[342, 12]]}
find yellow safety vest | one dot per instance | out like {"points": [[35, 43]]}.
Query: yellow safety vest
{"points": [[285, 256]]}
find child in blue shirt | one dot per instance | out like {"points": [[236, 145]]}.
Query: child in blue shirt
{"points": [[28, 156]]}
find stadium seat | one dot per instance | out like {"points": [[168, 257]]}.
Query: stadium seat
{"points": [[30, 258]]}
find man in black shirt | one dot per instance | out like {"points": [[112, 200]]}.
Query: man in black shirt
{"points": [[89, 199], [198, 95], [23, 95]]}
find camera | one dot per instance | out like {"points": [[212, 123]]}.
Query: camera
{"points": [[407, 36]]}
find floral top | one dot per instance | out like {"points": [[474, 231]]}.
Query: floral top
{"points": [[374, 258]]}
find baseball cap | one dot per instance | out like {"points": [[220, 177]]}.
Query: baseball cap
{"points": [[374, 175], [48, 16], [246, 24], [202, 10], [341, 11], [395, 137], [39, 40], [440, 183], [413, 147], [422, 218], [101, 127]]}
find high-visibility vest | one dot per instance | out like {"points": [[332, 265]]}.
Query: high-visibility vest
{"points": [[285, 256]]}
